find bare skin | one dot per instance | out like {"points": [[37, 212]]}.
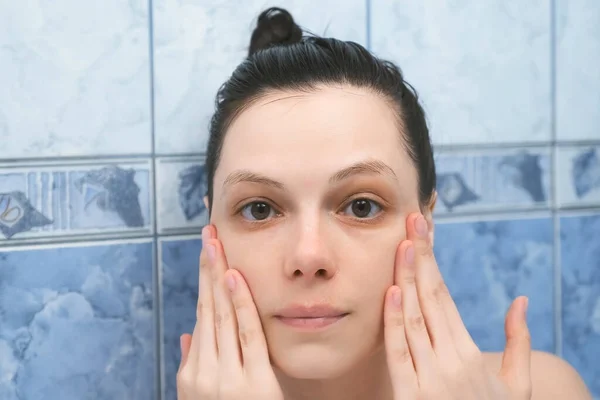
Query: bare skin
{"points": [[285, 228]]}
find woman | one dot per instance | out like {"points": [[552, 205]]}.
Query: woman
{"points": [[317, 278]]}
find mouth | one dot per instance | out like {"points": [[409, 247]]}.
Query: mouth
{"points": [[315, 317]]}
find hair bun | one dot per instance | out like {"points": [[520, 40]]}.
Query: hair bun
{"points": [[275, 26]]}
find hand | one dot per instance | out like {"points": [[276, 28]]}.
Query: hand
{"points": [[430, 353], [227, 356]]}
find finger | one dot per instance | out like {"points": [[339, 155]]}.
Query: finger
{"points": [[416, 331], [255, 354], [225, 321], [443, 319], [400, 363], [204, 344], [185, 342], [516, 361], [434, 296]]}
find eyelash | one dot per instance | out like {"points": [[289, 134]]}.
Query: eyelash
{"points": [[347, 203]]}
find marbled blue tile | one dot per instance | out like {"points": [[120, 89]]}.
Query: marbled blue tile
{"points": [[181, 187], [179, 266], [578, 176], [488, 264], [44, 201], [481, 67], [480, 181], [75, 78], [198, 44], [77, 322], [580, 264], [577, 71]]}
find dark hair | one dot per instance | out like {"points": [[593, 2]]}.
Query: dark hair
{"points": [[281, 57]]}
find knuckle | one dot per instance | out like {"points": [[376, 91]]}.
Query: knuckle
{"points": [[205, 387], [230, 390], [395, 321], [184, 379], [417, 323], [247, 337], [221, 319], [409, 278], [439, 293], [402, 355], [203, 259], [425, 249], [199, 310], [242, 303]]}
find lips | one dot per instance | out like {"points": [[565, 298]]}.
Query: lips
{"points": [[312, 317], [316, 311]]}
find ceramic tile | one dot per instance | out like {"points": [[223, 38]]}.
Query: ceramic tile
{"points": [[577, 72], [75, 78], [179, 267], [38, 201], [493, 180], [578, 176], [580, 266], [198, 44], [181, 187], [487, 264], [482, 68], [77, 322]]}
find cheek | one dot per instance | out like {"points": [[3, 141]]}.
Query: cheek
{"points": [[376, 270], [256, 266]]}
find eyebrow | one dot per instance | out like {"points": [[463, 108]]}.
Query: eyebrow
{"points": [[373, 167]]}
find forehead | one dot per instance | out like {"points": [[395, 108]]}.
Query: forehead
{"points": [[295, 135]]}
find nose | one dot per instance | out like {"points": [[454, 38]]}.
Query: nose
{"points": [[311, 256]]}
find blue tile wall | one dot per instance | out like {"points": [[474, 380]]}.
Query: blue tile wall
{"points": [[78, 321], [580, 313], [179, 267], [487, 264], [103, 123]]}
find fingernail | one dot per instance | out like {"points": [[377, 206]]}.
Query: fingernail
{"points": [[205, 234], [181, 343], [410, 255], [230, 280], [525, 306], [397, 298], [421, 226], [211, 251]]}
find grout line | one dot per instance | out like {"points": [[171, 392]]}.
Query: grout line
{"points": [[157, 303], [556, 254], [194, 231], [136, 157], [368, 25], [70, 159]]}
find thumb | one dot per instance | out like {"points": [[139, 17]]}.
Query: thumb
{"points": [[516, 361], [185, 342]]}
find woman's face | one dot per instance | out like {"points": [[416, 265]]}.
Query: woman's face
{"points": [[310, 200]]}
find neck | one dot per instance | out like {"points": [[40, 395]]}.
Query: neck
{"points": [[368, 380]]}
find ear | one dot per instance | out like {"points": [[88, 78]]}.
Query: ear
{"points": [[428, 214]]}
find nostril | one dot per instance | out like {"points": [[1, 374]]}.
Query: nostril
{"points": [[297, 273], [321, 273]]}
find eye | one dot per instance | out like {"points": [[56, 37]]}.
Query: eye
{"points": [[363, 208], [257, 211]]}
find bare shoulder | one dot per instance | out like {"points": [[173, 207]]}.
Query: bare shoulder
{"points": [[551, 377]]}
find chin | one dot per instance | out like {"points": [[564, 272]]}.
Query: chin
{"points": [[315, 361]]}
